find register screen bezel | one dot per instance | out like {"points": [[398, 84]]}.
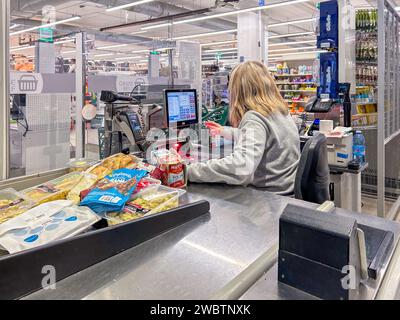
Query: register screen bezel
{"points": [[181, 124]]}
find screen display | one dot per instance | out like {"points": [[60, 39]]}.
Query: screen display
{"points": [[182, 107]]}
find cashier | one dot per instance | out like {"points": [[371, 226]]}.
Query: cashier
{"points": [[267, 144]]}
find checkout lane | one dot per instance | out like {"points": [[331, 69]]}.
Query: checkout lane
{"points": [[198, 259]]}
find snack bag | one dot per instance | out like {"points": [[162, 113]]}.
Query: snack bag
{"points": [[44, 224], [88, 181], [152, 200], [12, 204], [57, 189], [111, 193]]}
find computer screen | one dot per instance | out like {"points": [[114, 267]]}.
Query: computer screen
{"points": [[182, 108]]}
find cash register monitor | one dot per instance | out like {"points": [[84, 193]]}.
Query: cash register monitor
{"points": [[181, 108]]}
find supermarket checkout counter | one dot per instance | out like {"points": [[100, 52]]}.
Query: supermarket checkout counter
{"points": [[201, 258]]}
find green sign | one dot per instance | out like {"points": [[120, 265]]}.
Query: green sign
{"points": [[46, 35], [155, 53]]}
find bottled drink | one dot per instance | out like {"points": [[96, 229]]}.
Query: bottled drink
{"points": [[359, 147]]}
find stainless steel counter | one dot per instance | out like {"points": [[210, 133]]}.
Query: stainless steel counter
{"points": [[195, 260]]}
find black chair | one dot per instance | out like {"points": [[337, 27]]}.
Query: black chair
{"points": [[312, 179]]}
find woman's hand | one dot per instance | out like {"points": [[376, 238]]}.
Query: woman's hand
{"points": [[215, 128]]}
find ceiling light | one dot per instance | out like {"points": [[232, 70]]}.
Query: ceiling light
{"points": [[291, 43], [291, 35], [46, 25], [15, 49], [156, 26], [104, 55], [14, 26], [205, 34], [231, 13], [138, 32], [140, 51], [127, 58], [113, 46], [296, 53], [225, 14], [64, 41], [221, 50], [218, 43], [129, 5], [291, 22], [67, 52], [292, 49]]}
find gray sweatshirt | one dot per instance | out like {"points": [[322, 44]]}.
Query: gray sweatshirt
{"points": [[266, 155]]}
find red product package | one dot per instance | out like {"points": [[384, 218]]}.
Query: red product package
{"points": [[174, 175]]}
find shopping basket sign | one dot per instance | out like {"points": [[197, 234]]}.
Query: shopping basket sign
{"points": [[30, 83]]}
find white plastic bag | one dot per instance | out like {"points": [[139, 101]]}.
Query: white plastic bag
{"points": [[46, 223]]}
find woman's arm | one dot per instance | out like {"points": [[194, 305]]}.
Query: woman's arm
{"points": [[239, 167]]}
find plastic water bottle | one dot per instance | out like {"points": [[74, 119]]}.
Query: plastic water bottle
{"points": [[359, 147]]}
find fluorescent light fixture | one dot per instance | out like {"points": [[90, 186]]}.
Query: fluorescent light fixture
{"points": [[129, 5], [232, 13], [15, 25], [140, 51], [104, 55], [68, 52], [226, 14], [291, 35], [218, 43], [64, 41], [291, 43], [47, 25], [156, 26], [291, 22], [15, 49], [292, 49], [111, 47], [205, 34], [296, 53], [221, 50], [127, 58], [138, 32]]}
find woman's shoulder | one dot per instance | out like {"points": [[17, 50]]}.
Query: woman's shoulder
{"points": [[258, 117]]}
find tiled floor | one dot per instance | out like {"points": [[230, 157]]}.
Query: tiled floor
{"points": [[370, 206]]}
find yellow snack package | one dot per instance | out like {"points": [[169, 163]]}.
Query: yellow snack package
{"points": [[88, 180], [12, 204], [57, 189]]}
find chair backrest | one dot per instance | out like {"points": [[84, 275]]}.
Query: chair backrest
{"points": [[312, 180]]}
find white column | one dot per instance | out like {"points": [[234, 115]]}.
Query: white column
{"points": [[251, 37], [4, 89]]}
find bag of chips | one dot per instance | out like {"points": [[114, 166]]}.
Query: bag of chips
{"points": [[111, 193]]}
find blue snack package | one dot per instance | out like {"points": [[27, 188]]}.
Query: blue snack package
{"points": [[111, 193]]}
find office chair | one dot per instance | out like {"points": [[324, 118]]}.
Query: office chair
{"points": [[312, 179]]}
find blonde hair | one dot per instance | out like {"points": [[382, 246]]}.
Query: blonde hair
{"points": [[252, 88]]}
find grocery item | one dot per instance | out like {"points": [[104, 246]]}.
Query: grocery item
{"points": [[171, 170], [57, 189], [88, 180], [146, 183], [112, 192], [150, 201], [12, 204], [107, 166], [80, 165], [46, 223]]}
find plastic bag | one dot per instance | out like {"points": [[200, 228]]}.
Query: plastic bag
{"points": [[111, 193], [88, 181], [12, 204], [57, 189], [46, 223]]}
